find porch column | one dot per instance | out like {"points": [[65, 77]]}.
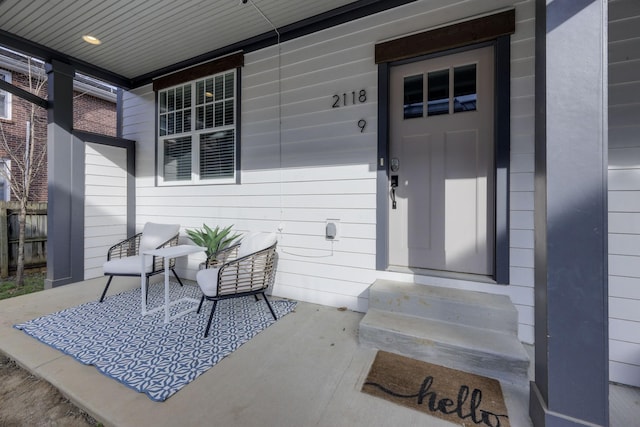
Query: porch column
{"points": [[571, 316], [63, 224]]}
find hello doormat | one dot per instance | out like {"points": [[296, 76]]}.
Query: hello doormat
{"points": [[456, 396]]}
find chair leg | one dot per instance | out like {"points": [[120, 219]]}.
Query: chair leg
{"points": [[213, 309], [269, 305], [200, 306], [104, 293], [146, 295], [256, 297], [174, 273]]}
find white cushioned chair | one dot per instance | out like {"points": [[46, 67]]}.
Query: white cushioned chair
{"points": [[247, 268], [123, 259]]}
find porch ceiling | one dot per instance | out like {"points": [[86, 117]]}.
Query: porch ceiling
{"points": [[141, 37]]}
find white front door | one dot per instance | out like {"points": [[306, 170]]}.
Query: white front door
{"points": [[441, 155]]}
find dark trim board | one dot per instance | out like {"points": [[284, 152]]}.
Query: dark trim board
{"points": [[473, 31], [382, 181], [21, 93], [238, 124], [225, 63], [502, 158]]}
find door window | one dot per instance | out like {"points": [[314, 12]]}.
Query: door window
{"points": [[464, 88], [438, 92], [413, 97], [452, 90]]}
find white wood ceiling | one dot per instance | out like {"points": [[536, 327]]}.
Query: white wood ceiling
{"points": [[142, 36]]}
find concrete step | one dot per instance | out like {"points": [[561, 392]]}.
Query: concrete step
{"points": [[485, 352], [477, 309]]}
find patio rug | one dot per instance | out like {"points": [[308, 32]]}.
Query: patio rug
{"points": [[142, 352], [462, 398]]}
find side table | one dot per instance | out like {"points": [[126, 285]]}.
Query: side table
{"points": [[167, 253]]}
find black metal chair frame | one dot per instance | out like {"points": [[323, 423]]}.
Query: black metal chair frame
{"points": [[131, 247], [240, 277]]}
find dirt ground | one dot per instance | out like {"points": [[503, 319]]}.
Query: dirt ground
{"points": [[26, 400]]}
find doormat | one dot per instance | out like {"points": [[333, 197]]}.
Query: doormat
{"points": [[452, 395]]}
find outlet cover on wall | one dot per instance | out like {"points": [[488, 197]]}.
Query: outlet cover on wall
{"points": [[332, 229]]}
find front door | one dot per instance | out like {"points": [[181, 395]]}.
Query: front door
{"points": [[441, 212]]}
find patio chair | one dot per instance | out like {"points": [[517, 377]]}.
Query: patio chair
{"points": [[245, 269], [123, 259]]}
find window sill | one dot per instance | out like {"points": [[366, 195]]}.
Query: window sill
{"points": [[229, 181]]}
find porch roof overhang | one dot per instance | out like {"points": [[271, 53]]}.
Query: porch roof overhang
{"points": [[143, 40]]}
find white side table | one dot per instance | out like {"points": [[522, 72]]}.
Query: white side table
{"points": [[167, 253]]}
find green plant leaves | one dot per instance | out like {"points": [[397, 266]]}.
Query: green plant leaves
{"points": [[213, 240]]}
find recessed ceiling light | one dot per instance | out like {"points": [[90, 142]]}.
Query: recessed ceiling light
{"points": [[91, 39]]}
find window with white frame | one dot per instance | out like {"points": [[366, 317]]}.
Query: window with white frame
{"points": [[5, 97], [197, 129]]}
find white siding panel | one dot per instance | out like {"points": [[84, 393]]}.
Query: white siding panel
{"points": [[624, 287], [313, 163], [624, 179], [624, 244], [624, 50], [625, 158], [624, 201], [624, 330], [624, 373], [105, 204], [521, 257], [624, 308], [522, 220], [626, 136], [620, 351], [624, 265], [624, 192], [522, 201], [522, 182], [523, 239], [624, 222], [522, 162], [521, 276], [522, 140]]}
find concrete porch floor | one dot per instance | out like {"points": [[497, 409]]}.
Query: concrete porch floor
{"points": [[305, 370]]}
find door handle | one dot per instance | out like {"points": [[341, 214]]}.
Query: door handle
{"points": [[392, 193]]}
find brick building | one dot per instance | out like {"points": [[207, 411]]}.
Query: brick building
{"points": [[94, 110]]}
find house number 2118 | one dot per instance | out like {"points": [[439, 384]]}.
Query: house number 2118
{"points": [[352, 98]]}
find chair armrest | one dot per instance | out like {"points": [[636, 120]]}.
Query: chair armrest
{"points": [[125, 248]]}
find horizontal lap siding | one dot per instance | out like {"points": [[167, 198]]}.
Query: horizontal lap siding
{"points": [[105, 204], [320, 166], [624, 192], [521, 191]]}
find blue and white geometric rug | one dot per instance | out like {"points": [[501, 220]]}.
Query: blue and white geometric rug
{"points": [[142, 352]]}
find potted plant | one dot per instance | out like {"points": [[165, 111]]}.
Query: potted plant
{"points": [[213, 240]]}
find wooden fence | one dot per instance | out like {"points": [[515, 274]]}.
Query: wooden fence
{"points": [[35, 246]]}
